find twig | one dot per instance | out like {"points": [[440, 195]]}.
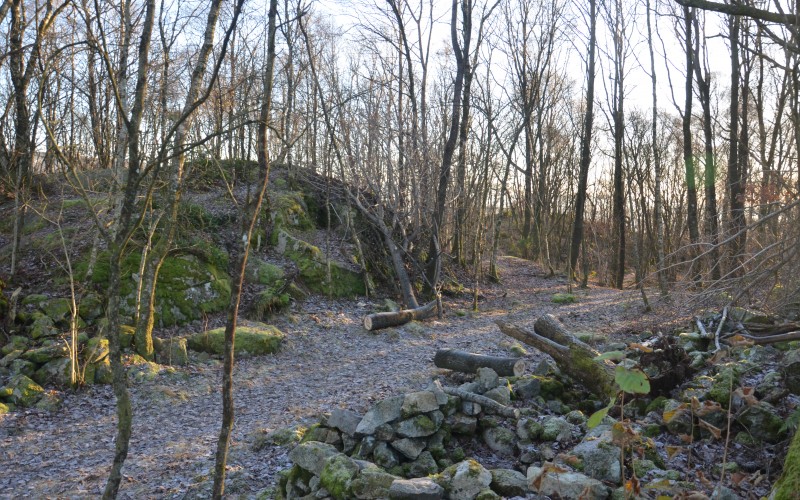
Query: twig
{"points": [[702, 329], [719, 329], [490, 404]]}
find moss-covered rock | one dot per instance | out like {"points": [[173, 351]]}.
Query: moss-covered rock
{"points": [[314, 269], [372, 484], [47, 352], [337, 474], [189, 286], [56, 372], [563, 298], [4, 408], [763, 422], [91, 307], [289, 209], [50, 401], [96, 350], [21, 366], [42, 326], [171, 351], [257, 340], [58, 309], [725, 382], [24, 391], [15, 343]]}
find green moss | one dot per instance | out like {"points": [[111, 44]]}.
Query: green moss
{"points": [[314, 270], [189, 286], [789, 483], [337, 475], [563, 298], [725, 381], [550, 388], [289, 209], [4, 409], [257, 340]]}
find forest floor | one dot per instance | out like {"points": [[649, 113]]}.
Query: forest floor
{"points": [[327, 361]]}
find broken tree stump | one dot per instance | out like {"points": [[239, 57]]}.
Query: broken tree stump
{"points": [[573, 357], [381, 320], [468, 362]]}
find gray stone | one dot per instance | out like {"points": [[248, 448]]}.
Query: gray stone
{"points": [[528, 388], [22, 367], [509, 483], [383, 412], [365, 448], [462, 424], [566, 484], [469, 479], [385, 456], [677, 417], [419, 402], [384, 432], [441, 397], [470, 408], [763, 422], [372, 484], [576, 417], [420, 488], [487, 378], [408, 447], [529, 429], [423, 466], [600, 458], [557, 429], [311, 455], [345, 420], [473, 387], [501, 394], [418, 426], [528, 453], [500, 440], [56, 371], [790, 366]]}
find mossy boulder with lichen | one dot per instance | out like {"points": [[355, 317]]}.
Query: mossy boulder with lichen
{"points": [[320, 276], [257, 339], [24, 391], [189, 286]]}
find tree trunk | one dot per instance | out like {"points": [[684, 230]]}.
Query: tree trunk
{"points": [[239, 262], [586, 145], [573, 357], [468, 362], [382, 320], [688, 155]]}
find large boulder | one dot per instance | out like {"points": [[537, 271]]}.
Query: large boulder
{"points": [[256, 340], [419, 402], [418, 426], [56, 372], [47, 352], [314, 269], [189, 286]]}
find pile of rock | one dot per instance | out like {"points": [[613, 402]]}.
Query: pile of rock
{"points": [[403, 447]]}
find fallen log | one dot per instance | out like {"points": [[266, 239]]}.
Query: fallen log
{"points": [[486, 403], [573, 357], [468, 362], [381, 320], [773, 339]]}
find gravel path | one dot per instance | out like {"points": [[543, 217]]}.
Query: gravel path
{"points": [[328, 361]]}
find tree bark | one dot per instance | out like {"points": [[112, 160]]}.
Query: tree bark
{"points": [[239, 262], [382, 320], [572, 356], [586, 145], [468, 362]]}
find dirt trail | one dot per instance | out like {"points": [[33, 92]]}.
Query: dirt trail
{"points": [[328, 361]]}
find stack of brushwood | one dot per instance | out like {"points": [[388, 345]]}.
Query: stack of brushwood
{"points": [[736, 325]]}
